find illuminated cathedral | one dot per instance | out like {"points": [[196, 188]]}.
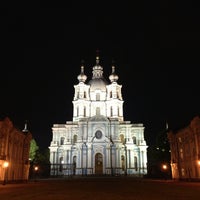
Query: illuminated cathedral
{"points": [[98, 141]]}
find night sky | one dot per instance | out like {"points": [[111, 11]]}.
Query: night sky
{"points": [[154, 45]]}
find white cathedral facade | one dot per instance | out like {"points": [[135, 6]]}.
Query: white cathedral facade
{"points": [[98, 141]]}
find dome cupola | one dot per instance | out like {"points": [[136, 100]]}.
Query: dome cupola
{"points": [[82, 77], [113, 77], [97, 82]]}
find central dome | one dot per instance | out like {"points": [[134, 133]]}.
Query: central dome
{"points": [[98, 84]]}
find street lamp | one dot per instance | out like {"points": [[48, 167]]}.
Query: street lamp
{"points": [[5, 166], [165, 170], [36, 168], [164, 167]]}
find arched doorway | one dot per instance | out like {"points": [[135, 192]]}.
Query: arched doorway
{"points": [[98, 164]]}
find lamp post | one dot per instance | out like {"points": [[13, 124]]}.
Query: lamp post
{"points": [[5, 166], [165, 169], [36, 168]]}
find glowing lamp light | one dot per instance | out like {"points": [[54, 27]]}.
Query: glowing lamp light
{"points": [[164, 166], [198, 162], [5, 164], [36, 168]]}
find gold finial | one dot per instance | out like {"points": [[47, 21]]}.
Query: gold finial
{"points": [[97, 57], [82, 69], [82, 66], [113, 69]]}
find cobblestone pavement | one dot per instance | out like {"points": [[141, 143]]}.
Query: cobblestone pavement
{"points": [[101, 188]]}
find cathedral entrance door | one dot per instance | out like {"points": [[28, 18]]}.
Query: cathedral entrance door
{"points": [[98, 164]]}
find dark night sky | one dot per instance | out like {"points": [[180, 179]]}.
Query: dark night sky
{"points": [[155, 46]]}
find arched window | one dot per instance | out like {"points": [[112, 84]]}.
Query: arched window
{"points": [[74, 139], [62, 139], [134, 140]]}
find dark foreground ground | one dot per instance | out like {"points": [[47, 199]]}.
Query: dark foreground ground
{"points": [[101, 188]]}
